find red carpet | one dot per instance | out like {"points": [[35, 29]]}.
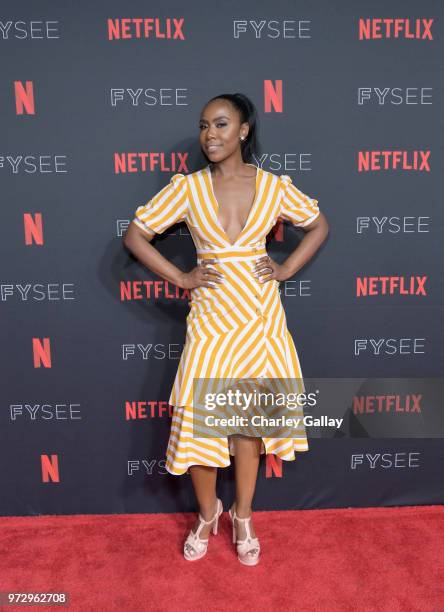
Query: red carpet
{"points": [[349, 560]]}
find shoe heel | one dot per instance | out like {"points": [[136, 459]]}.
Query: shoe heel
{"points": [[234, 528]]}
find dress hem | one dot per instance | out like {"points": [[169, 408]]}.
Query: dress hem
{"points": [[185, 471]]}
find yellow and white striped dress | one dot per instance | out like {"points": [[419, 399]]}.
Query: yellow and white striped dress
{"points": [[237, 330]]}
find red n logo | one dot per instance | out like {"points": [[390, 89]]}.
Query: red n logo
{"points": [[273, 466], [33, 228], [273, 96], [24, 98], [50, 468], [41, 352]]}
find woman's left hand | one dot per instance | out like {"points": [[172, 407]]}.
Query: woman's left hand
{"points": [[266, 269]]}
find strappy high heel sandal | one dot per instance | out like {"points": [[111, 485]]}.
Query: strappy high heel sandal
{"points": [[248, 550], [194, 548]]}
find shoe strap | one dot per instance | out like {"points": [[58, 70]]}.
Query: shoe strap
{"points": [[194, 542], [246, 522], [248, 545], [193, 538], [204, 522]]}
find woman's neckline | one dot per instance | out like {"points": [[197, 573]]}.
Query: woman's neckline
{"points": [[218, 207]]}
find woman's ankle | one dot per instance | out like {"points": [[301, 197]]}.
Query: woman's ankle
{"points": [[243, 511], [207, 512]]}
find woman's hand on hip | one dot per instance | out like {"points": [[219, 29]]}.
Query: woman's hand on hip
{"points": [[266, 269], [202, 276]]}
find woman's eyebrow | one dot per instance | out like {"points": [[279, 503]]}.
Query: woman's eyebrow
{"points": [[216, 118]]}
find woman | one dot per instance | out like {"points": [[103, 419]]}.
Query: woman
{"points": [[236, 327]]}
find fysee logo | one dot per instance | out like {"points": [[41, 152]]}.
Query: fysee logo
{"points": [[32, 29], [147, 465], [393, 225], [389, 346], [385, 460], [395, 95]]}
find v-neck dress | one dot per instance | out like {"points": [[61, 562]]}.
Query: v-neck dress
{"points": [[237, 330]]}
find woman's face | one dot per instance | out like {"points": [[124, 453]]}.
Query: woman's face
{"points": [[220, 130]]}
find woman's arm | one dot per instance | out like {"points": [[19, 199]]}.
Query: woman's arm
{"points": [[138, 241], [315, 234]]}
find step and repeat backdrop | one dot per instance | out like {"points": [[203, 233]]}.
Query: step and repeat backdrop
{"points": [[100, 106]]}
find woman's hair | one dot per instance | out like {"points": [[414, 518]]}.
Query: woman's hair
{"points": [[248, 114]]}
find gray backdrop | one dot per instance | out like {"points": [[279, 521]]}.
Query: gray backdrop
{"points": [[86, 339]]}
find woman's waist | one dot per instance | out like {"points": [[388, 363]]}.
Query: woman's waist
{"points": [[232, 253]]}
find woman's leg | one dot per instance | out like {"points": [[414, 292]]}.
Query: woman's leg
{"points": [[204, 483], [246, 461]]}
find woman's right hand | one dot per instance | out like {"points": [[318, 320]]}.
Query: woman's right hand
{"points": [[201, 276]]}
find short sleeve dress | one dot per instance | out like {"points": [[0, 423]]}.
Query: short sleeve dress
{"points": [[237, 330]]}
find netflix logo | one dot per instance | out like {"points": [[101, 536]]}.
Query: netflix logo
{"points": [[390, 285], [148, 27], [136, 411], [152, 290], [377, 29], [149, 161], [393, 160], [378, 404]]}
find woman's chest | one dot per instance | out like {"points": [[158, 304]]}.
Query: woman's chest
{"points": [[233, 222]]}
